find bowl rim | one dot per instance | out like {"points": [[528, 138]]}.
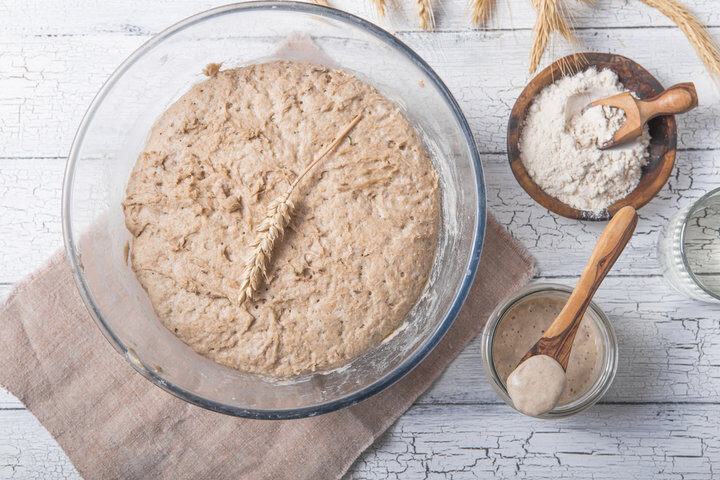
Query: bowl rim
{"points": [[569, 65], [381, 383]]}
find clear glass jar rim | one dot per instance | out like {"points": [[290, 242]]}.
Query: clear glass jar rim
{"points": [[683, 229]]}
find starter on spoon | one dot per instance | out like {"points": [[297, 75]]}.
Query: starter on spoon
{"points": [[536, 385]]}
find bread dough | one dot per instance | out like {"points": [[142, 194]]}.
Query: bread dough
{"points": [[536, 385], [359, 248]]}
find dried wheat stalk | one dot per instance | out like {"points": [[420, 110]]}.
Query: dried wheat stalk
{"points": [[273, 225], [381, 7], [697, 34], [552, 17], [482, 11], [425, 12]]}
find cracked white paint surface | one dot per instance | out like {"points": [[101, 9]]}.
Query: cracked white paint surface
{"points": [[138, 17], [31, 229], [610, 441], [659, 419], [48, 82]]}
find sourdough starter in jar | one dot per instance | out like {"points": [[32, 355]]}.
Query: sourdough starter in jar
{"points": [[523, 325]]}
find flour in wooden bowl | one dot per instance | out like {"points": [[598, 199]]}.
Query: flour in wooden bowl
{"points": [[358, 250], [559, 143]]}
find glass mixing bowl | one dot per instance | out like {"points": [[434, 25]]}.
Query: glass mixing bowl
{"points": [[114, 131]]}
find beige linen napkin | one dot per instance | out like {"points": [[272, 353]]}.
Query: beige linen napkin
{"points": [[112, 423]]}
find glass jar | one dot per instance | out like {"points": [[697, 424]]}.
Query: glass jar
{"points": [[689, 249], [608, 342]]}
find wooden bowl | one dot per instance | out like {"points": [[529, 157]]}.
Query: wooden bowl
{"points": [[663, 132]]}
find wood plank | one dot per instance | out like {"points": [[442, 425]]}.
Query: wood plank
{"points": [[30, 191], [562, 246], [31, 228], [606, 442], [7, 400], [669, 349], [487, 71], [28, 451], [141, 17], [46, 83], [476, 441]]}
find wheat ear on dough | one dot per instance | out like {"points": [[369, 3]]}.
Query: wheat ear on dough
{"points": [[273, 225]]}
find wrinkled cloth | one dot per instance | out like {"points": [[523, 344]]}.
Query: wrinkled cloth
{"points": [[113, 423]]}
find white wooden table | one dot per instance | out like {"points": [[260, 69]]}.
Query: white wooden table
{"points": [[661, 418]]}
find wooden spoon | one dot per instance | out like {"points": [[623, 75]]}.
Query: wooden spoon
{"points": [[558, 339], [679, 98]]}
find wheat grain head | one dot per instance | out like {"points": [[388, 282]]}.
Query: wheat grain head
{"points": [[425, 12], [704, 44], [552, 17], [277, 217], [482, 11], [381, 7], [270, 229]]}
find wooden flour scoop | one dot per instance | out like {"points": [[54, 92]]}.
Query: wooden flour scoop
{"points": [[558, 339], [679, 98]]}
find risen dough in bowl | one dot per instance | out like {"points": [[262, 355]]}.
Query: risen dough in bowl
{"points": [[356, 255]]}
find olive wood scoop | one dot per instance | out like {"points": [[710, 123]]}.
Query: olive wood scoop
{"points": [[558, 339], [679, 98]]}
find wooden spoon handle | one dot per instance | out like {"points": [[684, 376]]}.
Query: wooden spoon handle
{"points": [[677, 99], [558, 338]]}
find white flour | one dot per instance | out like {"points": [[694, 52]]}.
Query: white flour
{"points": [[559, 143]]}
